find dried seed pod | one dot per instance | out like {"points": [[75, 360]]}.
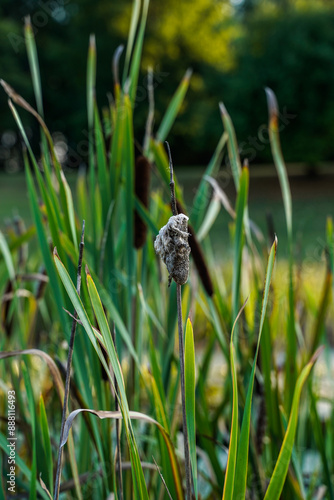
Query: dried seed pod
{"points": [[173, 248], [198, 257]]}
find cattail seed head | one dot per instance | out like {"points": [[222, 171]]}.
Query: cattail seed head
{"points": [[198, 258], [173, 248]]}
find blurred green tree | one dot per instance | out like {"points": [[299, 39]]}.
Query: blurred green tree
{"points": [[235, 49]]}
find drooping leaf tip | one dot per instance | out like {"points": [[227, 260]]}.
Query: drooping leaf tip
{"points": [[27, 21], [238, 316], [316, 354], [87, 271], [55, 253], [92, 41], [272, 103], [188, 74], [115, 63], [222, 108]]}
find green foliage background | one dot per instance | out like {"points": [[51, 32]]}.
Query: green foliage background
{"points": [[234, 49]]}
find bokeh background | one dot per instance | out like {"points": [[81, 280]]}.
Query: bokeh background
{"points": [[234, 47]]}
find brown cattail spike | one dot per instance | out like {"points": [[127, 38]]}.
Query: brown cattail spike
{"points": [[198, 256], [142, 185]]}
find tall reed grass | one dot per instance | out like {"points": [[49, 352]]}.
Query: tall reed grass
{"points": [[254, 438]]}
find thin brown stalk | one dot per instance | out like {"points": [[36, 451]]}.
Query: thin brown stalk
{"points": [[181, 348], [162, 478], [68, 370]]}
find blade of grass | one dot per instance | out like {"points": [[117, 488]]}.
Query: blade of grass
{"points": [[320, 439], [131, 37], [133, 415], [209, 218], [138, 476], [232, 451], [238, 239], [201, 197], [171, 470], [277, 480], [70, 209], [286, 194], [46, 444], [322, 311], [232, 146], [189, 365], [136, 57], [33, 63], [129, 199], [45, 247], [173, 108], [67, 381], [242, 455], [21, 465], [101, 157], [7, 257], [35, 73], [31, 405], [90, 97], [330, 242]]}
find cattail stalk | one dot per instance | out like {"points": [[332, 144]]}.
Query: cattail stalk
{"points": [[181, 348]]}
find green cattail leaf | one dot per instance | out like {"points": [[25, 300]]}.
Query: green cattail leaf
{"points": [[232, 146], [131, 37], [7, 257], [210, 217], [31, 405], [46, 444], [137, 51], [35, 74], [330, 241], [242, 455], [70, 209], [173, 108], [278, 477], [189, 364], [43, 242], [322, 309], [278, 158], [22, 466], [287, 201], [320, 438], [202, 194], [238, 238], [137, 470], [232, 450], [101, 157], [33, 63]]}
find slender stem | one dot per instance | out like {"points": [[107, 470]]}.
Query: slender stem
{"points": [[68, 369], [118, 437], [181, 346], [183, 392], [172, 183]]}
